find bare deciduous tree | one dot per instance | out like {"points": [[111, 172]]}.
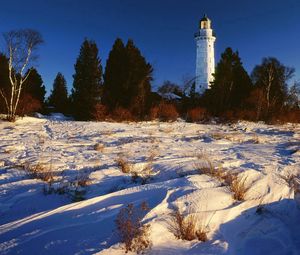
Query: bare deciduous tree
{"points": [[21, 50]]}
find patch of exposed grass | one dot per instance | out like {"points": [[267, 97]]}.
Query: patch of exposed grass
{"points": [[99, 147], [133, 233], [187, 227]]}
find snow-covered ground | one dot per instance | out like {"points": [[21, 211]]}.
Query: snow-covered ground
{"points": [[35, 221]]}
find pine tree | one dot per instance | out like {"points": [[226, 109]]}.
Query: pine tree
{"points": [[115, 76], [59, 94], [127, 79], [87, 81], [231, 85], [138, 83], [4, 82], [34, 86]]}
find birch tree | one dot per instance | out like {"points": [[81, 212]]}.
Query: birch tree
{"points": [[21, 46], [272, 76]]}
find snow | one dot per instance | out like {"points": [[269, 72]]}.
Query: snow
{"points": [[34, 222]]}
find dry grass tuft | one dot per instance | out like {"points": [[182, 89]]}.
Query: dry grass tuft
{"points": [[82, 180], [217, 135], [99, 147], [291, 180], [137, 175], [133, 233], [207, 167], [124, 165], [237, 187], [40, 171], [255, 139], [186, 227]]}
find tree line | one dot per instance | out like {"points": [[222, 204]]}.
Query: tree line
{"points": [[123, 90]]}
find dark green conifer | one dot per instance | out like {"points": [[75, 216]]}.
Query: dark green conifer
{"points": [[59, 94], [87, 81]]}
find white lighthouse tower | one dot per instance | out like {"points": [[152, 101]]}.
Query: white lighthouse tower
{"points": [[205, 62]]}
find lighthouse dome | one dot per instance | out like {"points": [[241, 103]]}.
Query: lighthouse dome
{"points": [[205, 22]]}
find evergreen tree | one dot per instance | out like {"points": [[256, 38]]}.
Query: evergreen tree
{"points": [[59, 94], [271, 77], [34, 86], [127, 79], [87, 81], [138, 84], [231, 85], [115, 76], [4, 82]]}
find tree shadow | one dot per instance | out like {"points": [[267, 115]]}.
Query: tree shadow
{"points": [[86, 227], [274, 132], [270, 229]]}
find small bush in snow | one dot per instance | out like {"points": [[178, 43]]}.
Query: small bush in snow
{"points": [[186, 227], [237, 187], [124, 165], [40, 171], [70, 188], [99, 147], [82, 180], [205, 166], [146, 172], [133, 233], [78, 195]]}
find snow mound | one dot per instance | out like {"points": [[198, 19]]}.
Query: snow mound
{"points": [[40, 217]]}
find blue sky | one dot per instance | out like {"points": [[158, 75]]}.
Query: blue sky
{"points": [[162, 29]]}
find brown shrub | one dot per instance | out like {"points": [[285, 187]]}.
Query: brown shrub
{"points": [[164, 112], [186, 227], [100, 112], [82, 180], [124, 164], [292, 116], [99, 147], [250, 115], [133, 233], [196, 114], [154, 112], [122, 114], [28, 104], [40, 171]]}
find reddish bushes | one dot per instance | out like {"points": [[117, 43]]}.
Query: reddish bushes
{"points": [[292, 116], [196, 114], [28, 104], [122, 114], [100, 112], [164, 112]]}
